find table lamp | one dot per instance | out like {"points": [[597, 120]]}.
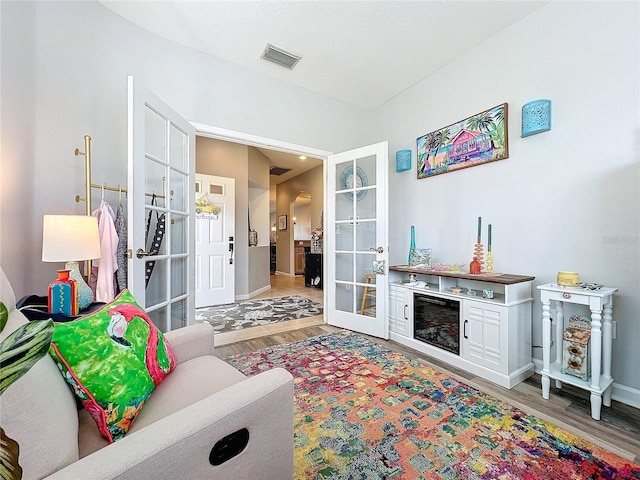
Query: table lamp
{"points": [[71, 238]]}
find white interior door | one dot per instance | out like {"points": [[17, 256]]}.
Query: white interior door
{"points": [[161, 155], [357, 240], [215, 240]]}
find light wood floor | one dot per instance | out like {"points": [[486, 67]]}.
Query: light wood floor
{"points": [[617, 431]]}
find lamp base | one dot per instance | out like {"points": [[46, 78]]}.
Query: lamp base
{"points": [[85, 294]]}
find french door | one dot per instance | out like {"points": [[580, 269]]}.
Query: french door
{"points": [[161, 204], [356, 240]]}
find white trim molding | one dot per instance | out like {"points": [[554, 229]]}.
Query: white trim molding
{"points": [[256, 141]]}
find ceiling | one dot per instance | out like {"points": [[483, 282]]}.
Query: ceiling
{"points": [[344, 44], [288, 160], [361, 52]]}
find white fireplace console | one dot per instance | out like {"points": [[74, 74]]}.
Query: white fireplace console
{"points": [[494, 333]]}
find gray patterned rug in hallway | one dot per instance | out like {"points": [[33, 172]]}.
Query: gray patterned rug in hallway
{"points": [[236, 316]]}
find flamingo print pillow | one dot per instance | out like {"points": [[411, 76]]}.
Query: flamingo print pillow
{"points": [[113, 359]]}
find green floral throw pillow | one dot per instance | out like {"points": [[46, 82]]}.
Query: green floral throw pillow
{"points": [[113, 359]]}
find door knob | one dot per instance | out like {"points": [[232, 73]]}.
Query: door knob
{"points": [[141, 253], [379, 249]]}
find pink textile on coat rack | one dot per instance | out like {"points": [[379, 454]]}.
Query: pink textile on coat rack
{"points": [[104, 268]]}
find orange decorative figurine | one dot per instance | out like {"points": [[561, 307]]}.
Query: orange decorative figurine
{"points": [[474, 266]]}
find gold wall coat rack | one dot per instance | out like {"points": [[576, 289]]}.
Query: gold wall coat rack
{"points": [[89, 185]]}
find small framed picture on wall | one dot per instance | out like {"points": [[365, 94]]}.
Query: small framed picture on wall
{"points": [[282, 222]]}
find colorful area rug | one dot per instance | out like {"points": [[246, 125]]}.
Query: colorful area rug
{"points": [[364, 411], [236, 316]]}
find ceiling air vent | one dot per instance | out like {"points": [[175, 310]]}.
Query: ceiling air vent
{"points": [[278, 171], [280, 57]]}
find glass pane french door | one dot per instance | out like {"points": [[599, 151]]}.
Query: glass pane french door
{"points": [[161, 210], [357, 240]]}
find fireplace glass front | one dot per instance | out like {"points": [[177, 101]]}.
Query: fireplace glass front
{"points": [[437, 322]]}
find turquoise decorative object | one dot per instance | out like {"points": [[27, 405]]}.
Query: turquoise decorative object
{"points": [[536, 117], [403, 160], [63, 295], [412, 247]]}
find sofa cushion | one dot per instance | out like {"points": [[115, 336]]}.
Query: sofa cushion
{"points": [[29, 404], [190, 382], [113, 359]]}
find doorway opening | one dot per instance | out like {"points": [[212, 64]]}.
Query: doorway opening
{"points": [[301, 211], [278, 243]]}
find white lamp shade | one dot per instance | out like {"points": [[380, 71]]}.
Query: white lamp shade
{"points": [[69, 238]]}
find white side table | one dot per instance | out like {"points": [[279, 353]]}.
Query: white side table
{"points": [[600, 302]]}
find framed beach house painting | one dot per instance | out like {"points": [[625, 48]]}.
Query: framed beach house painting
{"points": [[473, 141]]}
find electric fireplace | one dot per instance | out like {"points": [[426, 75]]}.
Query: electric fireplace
{"points": [[436, 321]]}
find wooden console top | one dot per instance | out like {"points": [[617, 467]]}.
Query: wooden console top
{"points": [[502, 278]]}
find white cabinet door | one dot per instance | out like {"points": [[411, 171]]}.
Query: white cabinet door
{"points": [[401, 310], [485, 334]]}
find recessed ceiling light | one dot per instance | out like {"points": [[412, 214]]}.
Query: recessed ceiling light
{"points": [[302, 157]]}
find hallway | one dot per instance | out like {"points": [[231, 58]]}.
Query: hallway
{"points": [[280, 286]]}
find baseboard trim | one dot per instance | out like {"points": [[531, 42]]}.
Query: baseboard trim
{"points": [[620, 393], [285, 274], [627, 395], [266, 288], [253, 294]]}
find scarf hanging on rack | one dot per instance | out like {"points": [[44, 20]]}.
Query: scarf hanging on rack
{"points": [[121, 251], [156, 241]]}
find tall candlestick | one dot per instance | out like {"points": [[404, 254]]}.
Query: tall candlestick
{"points": [[489, 241], [479, 228], [489, 261], [478, 252]]}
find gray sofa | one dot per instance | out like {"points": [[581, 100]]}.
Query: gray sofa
{"points": [[202, 401]]}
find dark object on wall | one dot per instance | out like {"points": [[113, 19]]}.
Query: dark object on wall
{"points": [[253, 238], [273, 257], [253, 235], [313, 270], [282, 222]]}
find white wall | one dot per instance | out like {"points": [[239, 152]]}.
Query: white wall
{"points": [[567, 199], [64, 75], [302, 225]]}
